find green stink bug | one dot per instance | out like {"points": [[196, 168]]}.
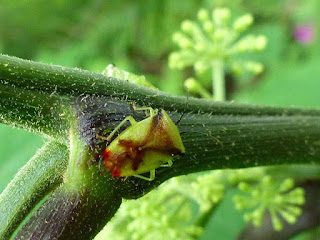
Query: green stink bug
{"points": [[143, 146]]}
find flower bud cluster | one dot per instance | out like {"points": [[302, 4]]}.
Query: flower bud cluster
{"points": [[195, 86], [279, 198], [214, 37], [163, 212], [209, 190]]}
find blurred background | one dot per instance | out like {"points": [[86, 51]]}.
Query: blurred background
{"points": [[137, 36]]}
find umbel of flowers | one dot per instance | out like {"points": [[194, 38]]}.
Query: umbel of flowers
{"points": [[277, 197], [214, 42]]}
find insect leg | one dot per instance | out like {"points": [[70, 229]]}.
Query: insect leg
{"points": [[169, 164], [152, 111], [129, 118], [151, 178]]}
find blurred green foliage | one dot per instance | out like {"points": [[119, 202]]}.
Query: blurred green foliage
{"points": [[17, 147], [136, 36]]}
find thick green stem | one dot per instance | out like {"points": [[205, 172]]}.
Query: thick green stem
{"points": [[66, 83], [82, 205], [70, 214], [235, 141], [216, 135], [218, 81], [41, 174]]}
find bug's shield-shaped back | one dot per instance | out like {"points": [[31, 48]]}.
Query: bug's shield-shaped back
{"points": [[144, 146]]}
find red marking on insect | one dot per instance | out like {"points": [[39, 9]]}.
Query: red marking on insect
{"points": [[116, 173], [106, 154], [110, 164], [131, 152]]}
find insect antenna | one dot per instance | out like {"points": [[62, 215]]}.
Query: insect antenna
{"points": [[185, 107]]}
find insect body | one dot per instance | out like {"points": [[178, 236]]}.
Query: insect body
{"points": [[143, 146]]}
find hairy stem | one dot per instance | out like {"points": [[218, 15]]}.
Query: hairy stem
{"points": [[67, 83], [41, 174], [74, 106], [69, 214], [81, 205]]}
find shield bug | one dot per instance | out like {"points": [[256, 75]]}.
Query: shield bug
{"points": [[143, 146]]}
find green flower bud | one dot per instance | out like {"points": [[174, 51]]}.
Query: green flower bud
{"points": [[185, 43], [237, 69], [175, 60], [278, 199], [220, 34], [194, 86], [187, 26], [257, 216], [247, 217], [200, 66], [243, 22], [277, 225], [208, 26], [200, 47], [242, 46], [203, 15], [177, 36], [296, 196], [255, 193], [221, 15], [267, 181], [191, 84], [245, 187], [240, 202], [182, 40], [289, 217], [254, 67], [261, 42], [286, 185], [165, 219], [294, 209]]}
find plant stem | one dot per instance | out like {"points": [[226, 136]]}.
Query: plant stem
{"points": [[218, 81], [216, 135], [82, 204], [68, 83], [205, 216], [41, 174], [70, 214]]}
